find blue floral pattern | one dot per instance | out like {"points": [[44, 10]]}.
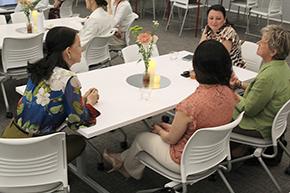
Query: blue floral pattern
{"points": [[44, 107]]}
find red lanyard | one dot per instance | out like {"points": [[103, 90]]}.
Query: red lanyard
{"points": [[116, 7]]}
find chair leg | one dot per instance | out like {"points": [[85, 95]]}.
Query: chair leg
{"points": [[269, 174], [225, 181], [248, 26], [184, 187], [184, 17], [8, 114], [170, 15]]}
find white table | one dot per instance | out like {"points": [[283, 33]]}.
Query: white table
{"points": [[120, 104], [9, 30]]}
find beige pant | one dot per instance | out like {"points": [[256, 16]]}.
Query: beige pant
{"points": [[115, 41], [152, 144]]}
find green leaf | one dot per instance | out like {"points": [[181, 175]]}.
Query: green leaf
{"points": [[20, 109], [77, 107], [73, 118], [55, 109]]}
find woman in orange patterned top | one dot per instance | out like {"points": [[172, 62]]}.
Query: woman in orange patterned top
{"points": [[212, 104], [218, 28]]}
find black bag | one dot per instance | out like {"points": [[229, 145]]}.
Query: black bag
{"points": [[276, 160], [269, 161]]}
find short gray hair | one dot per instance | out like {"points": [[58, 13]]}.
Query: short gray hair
{"points": [[278, 39]]}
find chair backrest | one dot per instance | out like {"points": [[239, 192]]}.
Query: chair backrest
{"points": [[16, 52], [37, 164], [252, 60], [41, 4], [127, 38], [181, 2], [252, 3], [66, 9], [131, 53], [206, 149], [98, 49], [3, 20], [275, 7], [280, 122], [18, 17]]}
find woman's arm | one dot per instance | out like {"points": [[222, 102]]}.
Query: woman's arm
{"points": [[177, 129], [56, 4], [122, 11], [203, 37], [228, 44], [79, 110]]}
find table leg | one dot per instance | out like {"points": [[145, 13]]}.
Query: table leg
{"points": [[136, 7], [197, 18], [80, 171]]}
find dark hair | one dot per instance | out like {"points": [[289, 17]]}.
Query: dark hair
{"points": [[220, 8], [101, 2], [56, 41], [212, 63]]}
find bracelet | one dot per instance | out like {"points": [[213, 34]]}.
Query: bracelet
{"points": [[241, 84]]}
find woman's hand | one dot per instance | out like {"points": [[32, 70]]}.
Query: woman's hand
{"points": [[234, 81], [156, 128], [91, 96]]}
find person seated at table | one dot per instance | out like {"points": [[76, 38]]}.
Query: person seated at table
{"points": [[121, 13], [212, 104], [54, 12], [53, 94], [219, 28], [98, 23], [269, 91]]}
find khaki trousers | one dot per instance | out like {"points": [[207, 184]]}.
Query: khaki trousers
{"points": [[152, 144]]}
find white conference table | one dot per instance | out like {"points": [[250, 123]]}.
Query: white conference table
{"points": [[19, 29], [120, 103]]}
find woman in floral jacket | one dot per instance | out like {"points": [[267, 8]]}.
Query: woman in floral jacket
{"points": [[53, 94]]}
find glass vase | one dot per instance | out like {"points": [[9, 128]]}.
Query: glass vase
{"points": [[29, 27], [146, 79]]}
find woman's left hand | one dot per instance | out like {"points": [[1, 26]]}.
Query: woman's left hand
{"points": [[156, 128]]}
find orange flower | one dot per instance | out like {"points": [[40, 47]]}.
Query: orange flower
{"points": [[155, 38], [144, 38]]}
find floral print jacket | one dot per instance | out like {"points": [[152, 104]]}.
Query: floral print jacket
{"points": [[44, 107]]}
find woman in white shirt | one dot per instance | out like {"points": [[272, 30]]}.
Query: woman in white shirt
{"points": [[98, 23], [121, 13]]}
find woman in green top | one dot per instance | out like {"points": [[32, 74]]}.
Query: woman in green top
{"points": [[270, 90]]}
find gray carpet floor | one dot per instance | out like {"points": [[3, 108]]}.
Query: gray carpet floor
{"points": [[246, 179]]}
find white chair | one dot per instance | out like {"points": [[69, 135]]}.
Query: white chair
{"points": [[260, 145], [31, 165], [274, 9], [131, 53], [3, 20], [252, 60], [127, 37], [98, 50], [18, 17], [16, 52], [247, 5], [66, 9], [201, 157], [183, 4]]}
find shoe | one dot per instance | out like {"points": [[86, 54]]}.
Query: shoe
{"points": [[123, 171], [116, 164]]}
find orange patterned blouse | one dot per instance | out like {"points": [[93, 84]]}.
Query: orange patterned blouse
{"points": [[208, 106]]}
